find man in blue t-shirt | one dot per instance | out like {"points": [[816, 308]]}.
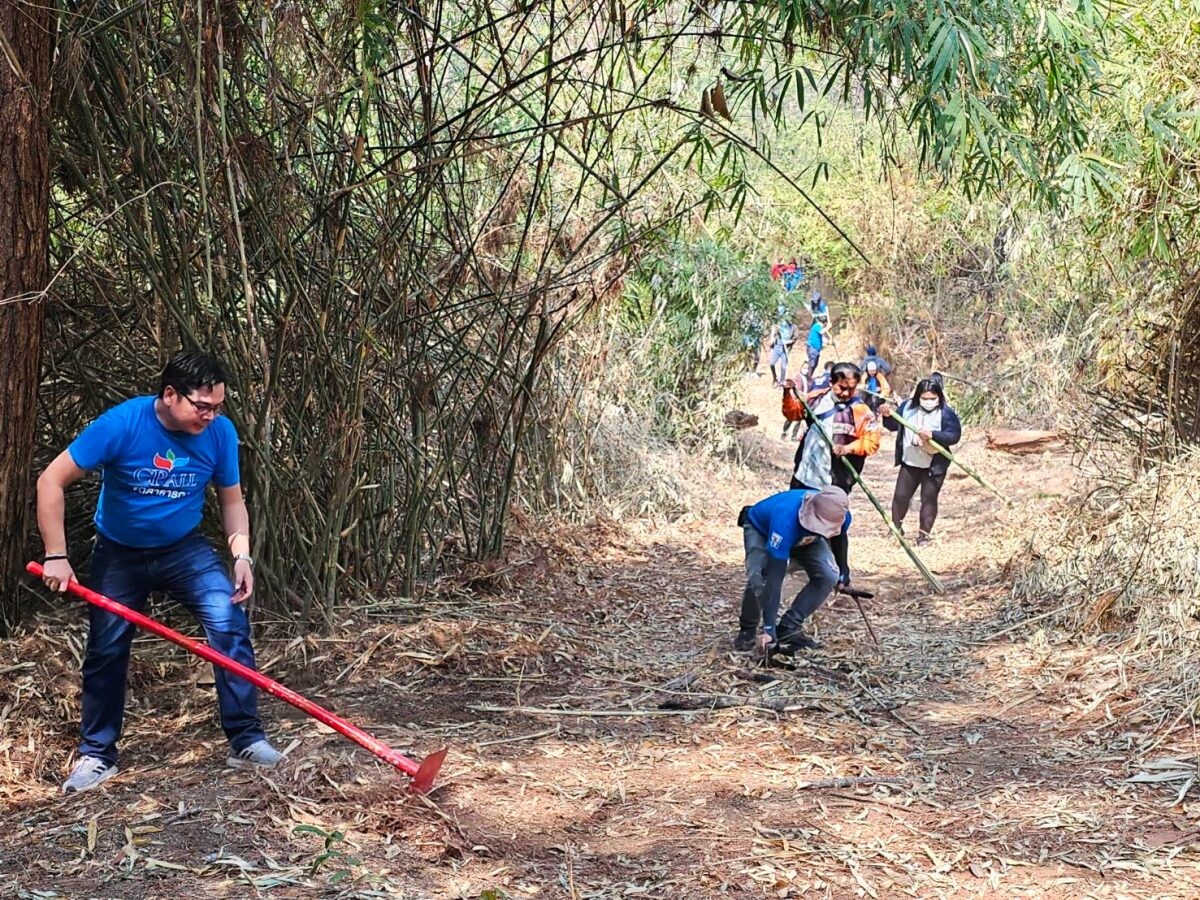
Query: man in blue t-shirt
{"points": [[156, 456], [810, 527], [816, 342]]}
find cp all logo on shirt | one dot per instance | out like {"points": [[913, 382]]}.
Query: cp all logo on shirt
{"points": [[165, 479], [169, 462]]}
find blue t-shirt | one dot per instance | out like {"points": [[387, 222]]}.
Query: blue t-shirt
{"points": [[153, 480], [786, 332], [816, 338], [778, 519]]}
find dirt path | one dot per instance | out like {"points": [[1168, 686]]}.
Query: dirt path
{"points": [[576, 687]]}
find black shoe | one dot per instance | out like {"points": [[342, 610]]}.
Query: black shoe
{"points": [[792, 641], [744, 640], [923, 539]]}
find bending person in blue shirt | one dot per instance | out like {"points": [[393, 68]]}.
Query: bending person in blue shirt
{"points": [[156, 456], [809, 527]]}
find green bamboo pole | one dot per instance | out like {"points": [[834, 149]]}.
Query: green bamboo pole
{"points": [[907, 423], [912, 554]]}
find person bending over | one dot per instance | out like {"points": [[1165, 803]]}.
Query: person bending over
{"points": [[809, 527]]}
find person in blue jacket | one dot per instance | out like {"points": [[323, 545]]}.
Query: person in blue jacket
{"points": [[809, 527], [822, 381], [873, 357], [920, 465]]}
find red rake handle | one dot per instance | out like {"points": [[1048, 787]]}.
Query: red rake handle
{"points": [[422, 775]]}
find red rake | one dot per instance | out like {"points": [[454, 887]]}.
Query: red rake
{"points": [[422, 775]]}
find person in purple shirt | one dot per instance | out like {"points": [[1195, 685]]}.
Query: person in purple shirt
{"points": [[156, 456]]}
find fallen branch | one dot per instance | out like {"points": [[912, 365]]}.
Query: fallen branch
{"points": [[888, 709], [851, 782]]}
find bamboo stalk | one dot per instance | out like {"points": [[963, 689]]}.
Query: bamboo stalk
{"points": [[907, 423], [912, 554]]}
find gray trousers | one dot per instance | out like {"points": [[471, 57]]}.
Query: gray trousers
{"points": [[764, 583]]}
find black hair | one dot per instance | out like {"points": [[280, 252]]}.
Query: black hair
{"points": [[871, 350], [190, 370], [928, 385], [844, 370], [828, 365]]}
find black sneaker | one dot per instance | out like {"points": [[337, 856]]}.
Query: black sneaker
{"points": [[792, 641], [744, 640]]}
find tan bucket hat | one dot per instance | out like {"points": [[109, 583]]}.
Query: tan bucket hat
{"points": [[825, 511]]}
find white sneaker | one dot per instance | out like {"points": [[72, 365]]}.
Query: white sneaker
{"points": [[260, 755], [88, 773]]}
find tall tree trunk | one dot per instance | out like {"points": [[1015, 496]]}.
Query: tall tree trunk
{"points": [[25, 48]]}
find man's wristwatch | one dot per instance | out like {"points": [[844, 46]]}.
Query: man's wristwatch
{"points": [[247, 557]]}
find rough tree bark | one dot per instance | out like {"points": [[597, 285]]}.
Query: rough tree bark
{"points": [[25, 51]]}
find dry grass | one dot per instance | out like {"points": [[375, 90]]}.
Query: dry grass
{"points": [[1131, 561], [605, 742], [1125, 575]]}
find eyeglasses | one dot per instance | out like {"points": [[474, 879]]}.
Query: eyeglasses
{"points": [[205, 409]]}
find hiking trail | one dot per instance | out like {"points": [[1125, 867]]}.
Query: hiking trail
{"points": [[607, 742]]}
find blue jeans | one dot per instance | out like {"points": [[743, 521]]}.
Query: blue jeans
{"points": [[814, 357], [778, 357], [192, 573]]}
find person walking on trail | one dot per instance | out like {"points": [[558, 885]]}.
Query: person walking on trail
{"points": [[844, 421], [873, 356], [793, 408], [783, 338], [875, 387], [752, 335], [157, 455], [777, 360], [793, 277], [818, 306], [816, 342], [809, 527], [920, 465]]}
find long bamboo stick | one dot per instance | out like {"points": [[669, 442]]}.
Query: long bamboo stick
{"points": [[912, 554], [907, 423]]}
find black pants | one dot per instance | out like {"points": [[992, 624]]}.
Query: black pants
{"points": [[907, 482]]}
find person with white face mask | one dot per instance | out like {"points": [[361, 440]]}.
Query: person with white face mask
{"points": [[920, 465]]}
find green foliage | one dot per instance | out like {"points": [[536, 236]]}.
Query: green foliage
{"points": [[388, 220], [685, 311], [995, 93], [331, 855]]}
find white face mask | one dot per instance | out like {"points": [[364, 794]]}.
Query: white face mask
{"points": [[929, 405]]}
